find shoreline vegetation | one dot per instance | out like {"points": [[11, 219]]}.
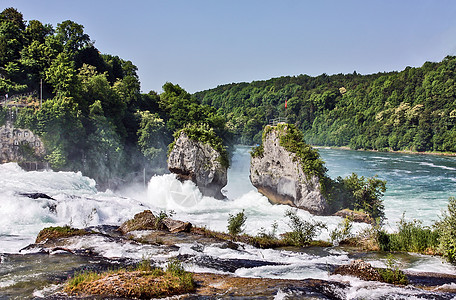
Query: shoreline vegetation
{"points": [[449, 154]]}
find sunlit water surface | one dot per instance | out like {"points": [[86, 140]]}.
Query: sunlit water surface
{"points": [[417, 185]]}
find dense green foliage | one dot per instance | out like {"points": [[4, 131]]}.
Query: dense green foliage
{"points": [[357, 193], [409, 110], [447, 230], [93, 117], [411, 237]]}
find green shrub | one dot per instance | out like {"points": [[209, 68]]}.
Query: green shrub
{"points": [[392, 273], [342, 232], [358, 193], [447, 229], [411, 237], [292, 139], [257, 151], [235, 223], [303, 232]]}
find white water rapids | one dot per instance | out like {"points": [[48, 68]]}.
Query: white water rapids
{"points": [[76, 202]]}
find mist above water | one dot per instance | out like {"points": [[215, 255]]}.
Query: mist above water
{"points": [[418, 185]]}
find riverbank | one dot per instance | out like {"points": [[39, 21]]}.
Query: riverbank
{"points": [[389, 151]]}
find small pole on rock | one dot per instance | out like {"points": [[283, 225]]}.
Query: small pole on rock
{"points": [[144, 177]]}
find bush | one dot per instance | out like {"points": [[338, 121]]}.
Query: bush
{"points": [[392, 273], [292, 139], [411, 236], [303, 232], [365, 194], [342, 232], [447, 229], [235, 223], [257, 151]]}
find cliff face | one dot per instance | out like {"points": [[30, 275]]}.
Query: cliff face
{"points": [[19, 145], [278, 174], [193, 160]]}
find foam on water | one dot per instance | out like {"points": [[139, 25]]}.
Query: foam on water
{"points": [[78, 203], [75, 202]]}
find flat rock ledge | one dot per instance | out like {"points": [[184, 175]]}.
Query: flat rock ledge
{"points": [[200, 163]]}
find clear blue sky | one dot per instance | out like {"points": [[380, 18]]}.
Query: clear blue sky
{"points": [[200, 44]]}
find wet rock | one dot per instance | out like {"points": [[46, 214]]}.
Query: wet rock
{"points": [[444, 282], [200, 163], [36, 196], [278, 174], [361, 269], [52, 233], [225, 265], [216, 286], [147, 221]]}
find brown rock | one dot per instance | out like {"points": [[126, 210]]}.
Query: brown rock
{"points": [[176, 226], [361, 269], [147, 221], [142, 221]]}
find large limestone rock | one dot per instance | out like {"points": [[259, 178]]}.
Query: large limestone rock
{"points": [[278, 174], [193, 160]]}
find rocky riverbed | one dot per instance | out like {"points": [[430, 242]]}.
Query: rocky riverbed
{"points": [[221, 269]]}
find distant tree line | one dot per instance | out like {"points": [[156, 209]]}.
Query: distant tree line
{"points": [[414, 109]]}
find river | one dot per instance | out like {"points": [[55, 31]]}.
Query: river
{"points": [[417, 185]]}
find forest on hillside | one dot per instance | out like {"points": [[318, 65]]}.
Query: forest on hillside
{"points": [[93, 117], [414, 109]]}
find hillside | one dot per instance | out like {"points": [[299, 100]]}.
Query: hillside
{"points": [[86, 106], [414, 109]]}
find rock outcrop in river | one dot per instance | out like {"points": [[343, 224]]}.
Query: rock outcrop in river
{"points": [[198, 161], [288, 171]]}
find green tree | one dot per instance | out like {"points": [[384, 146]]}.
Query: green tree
{"points": [[72, 36], [447, 229], [152, 136], [62, 75]]}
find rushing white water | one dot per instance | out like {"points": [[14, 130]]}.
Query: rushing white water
{"points": [[416, 184]]}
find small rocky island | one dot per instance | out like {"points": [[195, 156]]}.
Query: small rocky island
{"points": [[288, 171], [198, 154]]}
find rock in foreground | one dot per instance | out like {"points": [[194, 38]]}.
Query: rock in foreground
{"points": [[361, 269], [147, 221], [288, 171], [199, 162]]}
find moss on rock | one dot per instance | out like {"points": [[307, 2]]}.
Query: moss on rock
{"points": [[51, 233]]}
